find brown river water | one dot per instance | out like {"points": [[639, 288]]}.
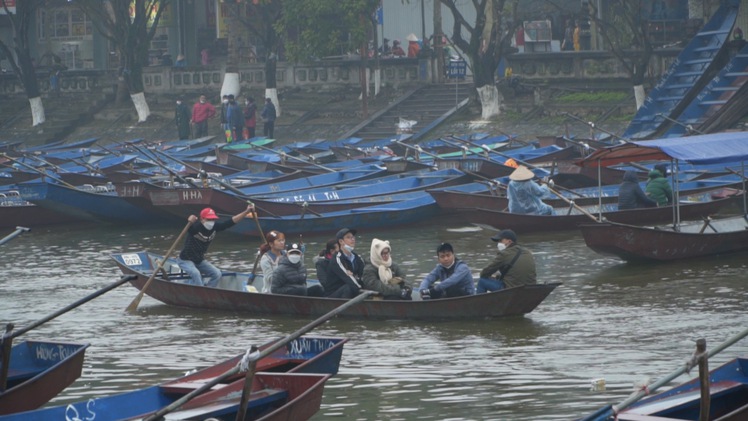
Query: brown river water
{"points": [[620, 322]]}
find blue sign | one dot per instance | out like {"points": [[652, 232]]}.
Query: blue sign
{"points": [[457, 69]]}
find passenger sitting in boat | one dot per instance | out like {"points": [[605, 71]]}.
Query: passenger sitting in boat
{"points": [[322, 260], [199, 236], [454, 276], [630, 195], [345, 269], [381, 274], [273, 249], [658, 187], [524, 194], [514, 264], [290, 276]]}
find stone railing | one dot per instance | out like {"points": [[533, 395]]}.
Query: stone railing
{"points": [[585, 65]]}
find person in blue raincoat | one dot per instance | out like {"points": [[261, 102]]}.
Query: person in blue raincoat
{"points": [[525, 195]]}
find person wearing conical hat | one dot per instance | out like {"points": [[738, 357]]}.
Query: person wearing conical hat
{"points": [[413, 47], [525, 195]]}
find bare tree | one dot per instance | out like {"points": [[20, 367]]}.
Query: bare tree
{"points": [[485, 42], [19, 54], [130, 26]]}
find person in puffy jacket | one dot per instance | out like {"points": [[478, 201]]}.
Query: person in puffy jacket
{"points": [[453, 275], [631, 195], [345, 269], [322, 260], [658, 187], [289, 277]]}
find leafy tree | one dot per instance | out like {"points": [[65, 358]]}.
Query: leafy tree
{"points": [[19, 54], [130, 25], [485, 41], [330, 28]]}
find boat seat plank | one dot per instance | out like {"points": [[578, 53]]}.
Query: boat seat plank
{"points": [[714, 32], [707, 48], [670, 98], [726, 88], [182, 388], [688, 74], [736, 74], [698, 61], [720, 102], [267, 364]]}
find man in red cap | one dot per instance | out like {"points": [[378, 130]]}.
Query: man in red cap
{"points": [[199, 236]]}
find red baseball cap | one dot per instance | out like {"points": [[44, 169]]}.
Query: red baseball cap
{"points": [[208, 213]]}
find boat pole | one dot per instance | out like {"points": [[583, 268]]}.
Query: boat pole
{"points": [[252, 358], [285, 155], [700, 354], [14, 234], [689, 128], [42, 173], [610, 411], [136, 301]]}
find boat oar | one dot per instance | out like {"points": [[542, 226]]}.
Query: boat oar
{"points": [[283, 154], [252, 358], [610, 411], [259, 252], [14, 234], [42, 173], [135, 302], [689, 128], [571, 202], [593, 126]]}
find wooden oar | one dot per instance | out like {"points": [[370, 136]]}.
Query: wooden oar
{"points": [[6, 342], [292, 157], [42, 173], [259, 253], [610, 411], [571, 202], [253, 358], [14, 234], [135, 302]]}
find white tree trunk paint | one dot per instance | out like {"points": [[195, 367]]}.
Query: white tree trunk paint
{"points": [[489, 101], [639, 95], [141, 106], [272, 93], [37, 111], [367, 75], [231, 84], [377, 81]]}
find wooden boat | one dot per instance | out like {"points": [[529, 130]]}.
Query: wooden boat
{"points": [[687, 76], [569, 218], [38, 371], [299, 371], [661, 243], [728, 402], [415, 210], [231, 295], [14, 211], [682, 240]]}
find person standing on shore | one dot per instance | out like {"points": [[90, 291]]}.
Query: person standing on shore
{"points": [[201, 112], [182, 119], [268, 117], [250, 117]]}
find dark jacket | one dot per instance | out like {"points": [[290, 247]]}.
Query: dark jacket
{"points": [[289, 278], [199, 238], [268, 112], [235, 115], [658, 188], [455, 281], [337, 274], [321, 263], [521, 273], [182, 117], [372, 282], [250, 115], [631, 195]]}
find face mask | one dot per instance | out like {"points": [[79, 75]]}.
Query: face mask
{"points": [[209, 224], [179, 102], [501, 246], [202, 101], [294, 258], [225, 101], [348, 248]]}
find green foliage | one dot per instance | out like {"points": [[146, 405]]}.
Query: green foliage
{"points": [[318, 28], [601, 96]]}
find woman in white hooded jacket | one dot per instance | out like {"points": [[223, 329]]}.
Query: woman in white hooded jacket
{"points": [[381, 274]]}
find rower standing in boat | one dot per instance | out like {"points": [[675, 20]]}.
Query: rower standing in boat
{"points": [[454, 275], [345, 269], [199, 236], [514, 264], [524, 194]]}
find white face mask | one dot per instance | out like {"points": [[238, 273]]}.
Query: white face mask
{"points": [[209, 224], [501, 246], [348, 248], [225, 101], [294, 258], [179, 102]]}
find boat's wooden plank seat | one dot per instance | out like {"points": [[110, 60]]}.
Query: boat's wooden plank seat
{"points": [[259, 399]]}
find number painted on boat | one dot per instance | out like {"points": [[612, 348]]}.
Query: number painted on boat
{"points": [[132, 259]]}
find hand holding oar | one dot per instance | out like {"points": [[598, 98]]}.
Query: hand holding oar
{"points": [[135, 302], [254, 357], [14, 234], [259, 252]]}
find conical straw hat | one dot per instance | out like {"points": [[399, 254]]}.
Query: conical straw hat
{"points": [[521, 174]]}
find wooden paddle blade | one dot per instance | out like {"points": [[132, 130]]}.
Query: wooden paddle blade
{"points": [[135, 302]]}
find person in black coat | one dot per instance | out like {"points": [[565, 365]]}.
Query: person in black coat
{"points": [[182, 116], [289, 277], [345, 269], [631, 195]]}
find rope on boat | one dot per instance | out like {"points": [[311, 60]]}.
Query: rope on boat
{"points": [[252, 354]]}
